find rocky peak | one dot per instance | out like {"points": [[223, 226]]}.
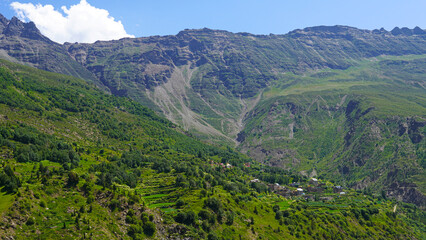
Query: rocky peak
{"points": [[3, 23], [31, 31], [16, 27], [337, 31], [329, 29], [419, 31], [202, 32], [407, 32], [380, 31]]}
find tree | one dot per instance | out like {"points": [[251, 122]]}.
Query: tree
{"points": [[73, 179], [180, 203], [180, 217], [212, 236], [149, 228], [230, 218], [190, 218], [214, 204], [8, 179], [276, 208]]}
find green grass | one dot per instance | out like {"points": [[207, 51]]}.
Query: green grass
{"points": [[284, 205], [162, 205], [6, 200]]}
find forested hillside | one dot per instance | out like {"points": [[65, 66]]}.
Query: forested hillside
{"points": [[78, 163]]}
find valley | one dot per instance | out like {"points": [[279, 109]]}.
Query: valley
{"points": [[319, 132]]}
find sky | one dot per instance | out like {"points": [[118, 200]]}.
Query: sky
{"points": [[91, 20]]}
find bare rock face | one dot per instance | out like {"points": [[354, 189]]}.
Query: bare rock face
{"points": [[3, 23], [242, 63], [23, 43], [14, 27], [406, 192], [414, 130]]}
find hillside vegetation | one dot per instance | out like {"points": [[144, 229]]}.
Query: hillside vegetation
{"points": [[78, 163], [364, 126]]}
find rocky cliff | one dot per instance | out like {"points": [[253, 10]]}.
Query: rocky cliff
{"points": [[23, 43]]}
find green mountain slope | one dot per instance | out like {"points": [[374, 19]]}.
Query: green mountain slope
{"points": [[209, 81], [285, 100], [77, 163], [364, 126], [206, 80]]}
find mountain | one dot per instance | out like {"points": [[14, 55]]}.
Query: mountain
{"points": [[335, 102], [23, 43], [79, 163], [206, 80]]}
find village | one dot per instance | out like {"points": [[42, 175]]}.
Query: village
{"points": [[313, 190]]}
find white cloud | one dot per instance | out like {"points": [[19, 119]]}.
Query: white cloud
{"points": [[81, 22]]}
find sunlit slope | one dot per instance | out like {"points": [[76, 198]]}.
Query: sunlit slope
{"points": [[77, 163], [364, 125]]}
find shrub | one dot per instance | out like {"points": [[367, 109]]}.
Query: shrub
{"points": [[114, 204], [30, 221], [278, 215], [134, 229], [187, 218], [230, 218], [90, 199], [144, 217], [204, 214]]}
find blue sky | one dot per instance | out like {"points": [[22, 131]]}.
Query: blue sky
{"points": [[163, 17]]}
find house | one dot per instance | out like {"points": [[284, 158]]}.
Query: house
{"points": [[314, 181], [326, 198], [300, 191], [309, 197], [285, 192], [337, 189], [255, 180], [314, 189], [275, 187]]}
